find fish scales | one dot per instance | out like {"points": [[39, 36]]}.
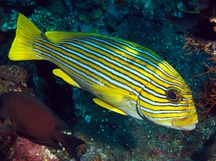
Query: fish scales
{"points": [[125, 77], [111, 74], [106, 67]]}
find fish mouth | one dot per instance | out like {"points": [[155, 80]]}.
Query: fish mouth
{"points": [[187, 124]]}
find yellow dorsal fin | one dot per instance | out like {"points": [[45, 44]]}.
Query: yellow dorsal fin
{"points": [[60, 73], [108, 106], [22, 46], [116, 97], [57, 36]]}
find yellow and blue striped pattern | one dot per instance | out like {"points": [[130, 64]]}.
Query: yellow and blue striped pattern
{"points": [[120, 65], [148, 82]]}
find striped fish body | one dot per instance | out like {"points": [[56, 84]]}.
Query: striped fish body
{"points": [[125, 77]]}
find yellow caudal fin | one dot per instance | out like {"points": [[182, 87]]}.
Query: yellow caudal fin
{"points": [[22, 47]]}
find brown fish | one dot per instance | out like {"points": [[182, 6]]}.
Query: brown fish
{"points": [[26, 116]]}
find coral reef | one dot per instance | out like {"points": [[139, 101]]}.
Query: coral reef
{"points": [[13, 73], [27, 150], [13, 78], [110, 136], [10, 24], [8, 146]]}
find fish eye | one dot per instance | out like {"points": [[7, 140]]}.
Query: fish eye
{"points": [[173, 95]]}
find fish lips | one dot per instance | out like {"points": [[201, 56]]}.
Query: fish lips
{"points": [[187, 124]]}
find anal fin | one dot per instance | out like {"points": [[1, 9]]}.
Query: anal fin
{"points": [[108, 106], [60, 73]]}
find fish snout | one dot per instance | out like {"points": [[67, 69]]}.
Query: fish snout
{"points": [[187, 123]]}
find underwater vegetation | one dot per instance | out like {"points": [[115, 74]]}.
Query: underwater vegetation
{"points": [[202, 38], [180, 32]]}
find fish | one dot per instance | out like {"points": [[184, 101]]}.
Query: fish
{"points": [[183, 21], [124, 77], [26, 116]]}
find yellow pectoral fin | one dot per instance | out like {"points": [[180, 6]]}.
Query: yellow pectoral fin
{"points": [[60, 73], [108, 106], [118, 97]]}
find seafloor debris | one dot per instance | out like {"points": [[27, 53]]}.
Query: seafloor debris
{"points": [[7, 146], [94, 154]]}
